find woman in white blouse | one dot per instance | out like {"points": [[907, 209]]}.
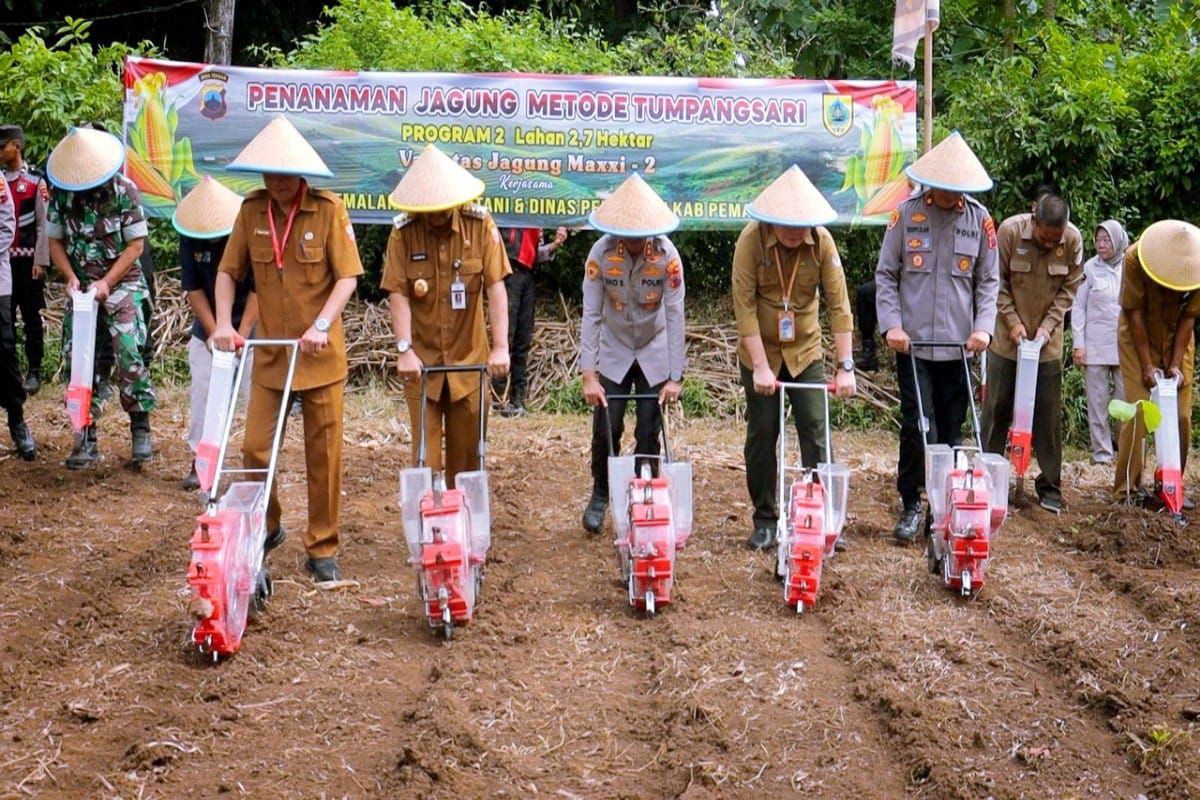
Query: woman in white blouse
{"points": [[1094, 320]]}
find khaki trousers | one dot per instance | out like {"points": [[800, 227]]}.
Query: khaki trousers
{"points": [[456, 422], [1129, 448], [322, 412]]}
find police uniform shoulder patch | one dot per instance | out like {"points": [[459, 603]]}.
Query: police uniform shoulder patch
{"points": [[402, 219], [894, 219], [593, 270], [989, 228], [475, 211]]}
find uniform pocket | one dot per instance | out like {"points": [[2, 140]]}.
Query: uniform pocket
{"points": [[1059, 269], [470, 272], [262, 255]]}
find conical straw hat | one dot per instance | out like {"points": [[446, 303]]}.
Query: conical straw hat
{"points": [[634, 210], [792, 200], [281, 150], [84, 159], [1170, 254], [950, 166], [207, 211], [435, 182]]}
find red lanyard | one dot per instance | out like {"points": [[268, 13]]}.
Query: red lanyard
{"points": [[276, 245]]}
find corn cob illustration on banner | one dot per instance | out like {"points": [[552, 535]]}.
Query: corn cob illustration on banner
{"points": [[876, 172], [161, 167]]}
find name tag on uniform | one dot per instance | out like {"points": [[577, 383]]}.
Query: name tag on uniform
{"points": [[458, 295], [787, 325]]}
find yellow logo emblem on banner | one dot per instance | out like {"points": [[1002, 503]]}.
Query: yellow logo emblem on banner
{"points": [[838, 113]]}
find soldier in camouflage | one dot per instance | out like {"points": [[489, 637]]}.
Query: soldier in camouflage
{"points": [[97, 230]]}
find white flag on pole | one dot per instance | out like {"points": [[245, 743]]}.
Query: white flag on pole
{"points": [[911, 16]]}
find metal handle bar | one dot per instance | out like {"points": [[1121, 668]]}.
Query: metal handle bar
{"points": [[444, 369], [783, 387], [285, 399], [666, 438], [922, 420]]}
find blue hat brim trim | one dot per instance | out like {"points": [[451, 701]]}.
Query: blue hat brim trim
{"points": [[277, 171], [790, 223], [949, 188], [80, 187], [631, 234], [195, 235]]}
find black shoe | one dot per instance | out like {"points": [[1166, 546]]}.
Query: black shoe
{"points": [[192, 482], [841, 544], [85, 453], [868, 361], [1188, 504], [274, 539], [139, 427], [510, 410], [593, 515], [1052, 504], [763, 538], [23, 439], [323, 570], [908, 524], [31, 384], [104, 392]]}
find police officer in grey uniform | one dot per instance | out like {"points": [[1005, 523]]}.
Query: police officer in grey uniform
{"points": [[937, 279], [632, 337]]}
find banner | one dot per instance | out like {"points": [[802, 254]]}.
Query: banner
{"points": [[549, 148]]}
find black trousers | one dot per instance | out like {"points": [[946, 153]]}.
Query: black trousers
{"points": [[864, 308], [1047, 420], [28, 299], [762, 436], [12, 394], [646, 430], [944, 394], [519, 286]]}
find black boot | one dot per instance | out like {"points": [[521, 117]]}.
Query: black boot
{"points": [[870, 360], [908, 524], [192, 482], [515, 407], [23, 439], [593, 515], [763, 538], [139, 428], [85, 453]]}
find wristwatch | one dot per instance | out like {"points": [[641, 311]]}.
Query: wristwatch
{"points": [[403, 345], [846, 365], [321, 324]]}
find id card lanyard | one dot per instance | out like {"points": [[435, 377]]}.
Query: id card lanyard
{"points": [[786, 317], [458, 289], [280, 247]]}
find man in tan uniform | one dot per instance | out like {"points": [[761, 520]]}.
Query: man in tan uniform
{"points": [[1159, 306], [299, 245], [782, 262], [1041, 267], [443, 255]]}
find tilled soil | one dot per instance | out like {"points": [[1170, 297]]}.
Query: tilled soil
{"points": [[1072, 674]]}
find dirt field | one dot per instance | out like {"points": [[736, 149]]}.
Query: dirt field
{"points": [[1073, 674]]}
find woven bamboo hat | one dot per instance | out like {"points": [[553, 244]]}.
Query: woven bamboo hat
{"points": [[1170, 254], [280, 149], [950, 166], [208, 211], [435, 182], [634, 210], [792, 200], [84, 159]]}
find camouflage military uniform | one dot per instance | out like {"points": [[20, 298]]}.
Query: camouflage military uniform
{"points": [[95, 226]]}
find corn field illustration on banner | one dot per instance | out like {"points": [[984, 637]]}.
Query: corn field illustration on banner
{"points": [[548, 148]]}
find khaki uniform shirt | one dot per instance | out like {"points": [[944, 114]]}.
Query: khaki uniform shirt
{"points": [[421, 264], [1161, 309], [1036, 288], [633, 310], [319, 251], [758, 294], [937, 277]]}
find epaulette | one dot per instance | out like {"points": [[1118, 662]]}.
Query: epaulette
{"points": [[257, 193], [475, 210], [402, 219], [324, 194]]}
